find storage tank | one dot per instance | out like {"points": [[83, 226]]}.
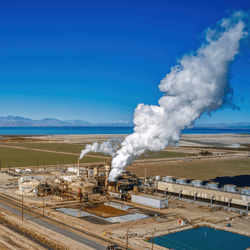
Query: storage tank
{"points": [[213, 185], [26, 187], [230, 188], [197, 183], [85, 187], [89, 188], [107, 170], [182, 181], [168, 179], [245, 190]]}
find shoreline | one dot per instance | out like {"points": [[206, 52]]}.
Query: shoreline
{"points": [[223, 140]]}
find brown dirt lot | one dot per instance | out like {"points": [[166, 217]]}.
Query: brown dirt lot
{"points": [[105, 211], [195, 169]]}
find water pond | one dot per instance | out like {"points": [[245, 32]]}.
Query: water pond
{"points": [[203, 238]]}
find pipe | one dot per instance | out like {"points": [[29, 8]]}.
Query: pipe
{"points": [[180, 194], [212, 199], [195, 194], [78, 170], [165, 192]]}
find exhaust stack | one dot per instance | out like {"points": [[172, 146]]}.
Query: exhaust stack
{"points": [[107, 170], [78, 170]]}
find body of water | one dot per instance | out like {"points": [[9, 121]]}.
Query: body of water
{"points": [[203, 238], [101, 130]]}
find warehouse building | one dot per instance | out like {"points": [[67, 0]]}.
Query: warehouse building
{"points": [[150, 201]]}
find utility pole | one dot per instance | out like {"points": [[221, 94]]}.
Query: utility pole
{"points": [[43, 207], [127, 240], [37, 163], [22, 206], [145, 173], [44, 165], [153, 241]]}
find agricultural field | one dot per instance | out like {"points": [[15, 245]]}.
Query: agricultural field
{"points": [[195, 169], [62, 147], [162, 154], [24, 157], [76, 149]]}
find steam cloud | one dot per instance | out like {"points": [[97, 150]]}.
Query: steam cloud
{"points": [[197, 84], [108, 147]]}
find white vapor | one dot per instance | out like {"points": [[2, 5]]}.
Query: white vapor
{"points": [[196, 85], [108, 147]]}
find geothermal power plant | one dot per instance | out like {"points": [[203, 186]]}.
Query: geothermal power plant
{"points": [[78, 183], [129, 210]]}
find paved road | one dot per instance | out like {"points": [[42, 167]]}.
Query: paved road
{"points": [[57, 229]]}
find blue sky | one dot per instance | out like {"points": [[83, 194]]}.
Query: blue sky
{"points": [[96, 60]]}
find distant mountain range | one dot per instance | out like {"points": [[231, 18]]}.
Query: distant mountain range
{"points": [[17, 121], [235, 125]]}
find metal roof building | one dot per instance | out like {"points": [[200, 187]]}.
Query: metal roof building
{"points": [[150, 200]]}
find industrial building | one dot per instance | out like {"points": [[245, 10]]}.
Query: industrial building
{"points": [[228, 195], [150, 200]]}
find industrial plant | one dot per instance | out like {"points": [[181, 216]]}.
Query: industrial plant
{"points": [[84, 192], [91, 181]]}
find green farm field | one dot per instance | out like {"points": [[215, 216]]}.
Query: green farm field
{"points": [[23, 157], [76, 149], [162, 154]]}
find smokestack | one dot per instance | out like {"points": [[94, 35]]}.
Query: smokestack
{"points": [[78, 170], [107, 170]]}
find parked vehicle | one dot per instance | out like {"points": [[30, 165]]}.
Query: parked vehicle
{"points": [[112, 247]]}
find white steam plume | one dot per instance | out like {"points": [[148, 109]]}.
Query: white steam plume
{"points": [[196, 85], [108, 147]]}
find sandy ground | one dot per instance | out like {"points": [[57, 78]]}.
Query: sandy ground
{"points": [[188, 140], [9, 239], [56, 241]]}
